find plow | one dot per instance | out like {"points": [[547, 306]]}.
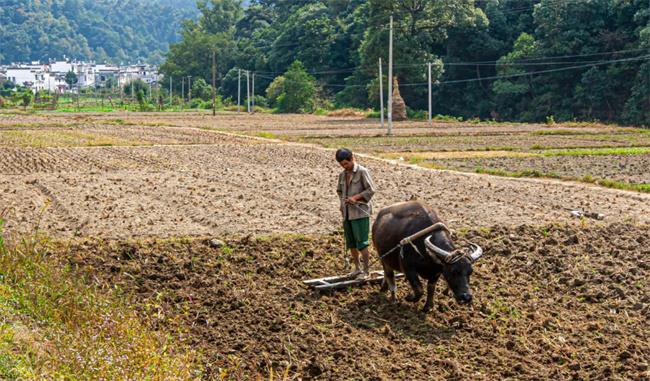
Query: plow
{"points": [[375, 277], [344, 281]]}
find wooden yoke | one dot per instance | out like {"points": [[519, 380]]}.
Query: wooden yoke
{"points": [[409, 240]]}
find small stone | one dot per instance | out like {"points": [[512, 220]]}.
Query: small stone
{"points": [[216, 243]]}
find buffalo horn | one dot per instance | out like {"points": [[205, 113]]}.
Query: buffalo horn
{"points": [[440, 252], [476, 252]]}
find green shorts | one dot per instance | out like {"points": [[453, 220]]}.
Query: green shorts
{"points": [[356, 233]]}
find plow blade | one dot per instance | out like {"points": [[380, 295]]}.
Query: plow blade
{"points": [[344, 281]]}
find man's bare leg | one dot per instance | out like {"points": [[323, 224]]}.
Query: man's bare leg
{"points": [[366, 260], [355, 260]]}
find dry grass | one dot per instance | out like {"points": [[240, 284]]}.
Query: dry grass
{"points": [[56, 326], [61, 138], [347, 112], [455, 155]]}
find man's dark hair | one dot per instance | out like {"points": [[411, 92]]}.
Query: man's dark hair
{"points": [[343, 154]]}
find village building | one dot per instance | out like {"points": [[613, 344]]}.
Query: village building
{"points": [[51, 76]]}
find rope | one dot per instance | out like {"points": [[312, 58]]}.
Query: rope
{"points": [[355, 204]]}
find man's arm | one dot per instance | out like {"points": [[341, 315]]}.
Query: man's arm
{"points": [[339, 187], [368, 186]]}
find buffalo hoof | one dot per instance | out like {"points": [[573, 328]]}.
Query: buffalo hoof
{"points": [[384, 286], [414, 297], [393, 298], [426, 308]]}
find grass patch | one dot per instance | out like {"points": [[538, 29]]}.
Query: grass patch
{"points": [[414, 143], [522, 173], [598, 151], [56, 326], [61, 138], [444, 155], [645, 188], [562, 132], [74, 109], [266, 135], [33, 125], [616, 131]]}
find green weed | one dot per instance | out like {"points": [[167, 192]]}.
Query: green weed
{"points": [[57, 326]]}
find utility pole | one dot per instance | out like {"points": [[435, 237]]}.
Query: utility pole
{"points": [[214, 83], [182, 91], [390, 78], [381, 93], [171, 96], [430, 104], [238, 90], [253, 92], [189, 89], [248, 91]]}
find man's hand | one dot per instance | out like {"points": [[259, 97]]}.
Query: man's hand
{"points": [[353, 199]]}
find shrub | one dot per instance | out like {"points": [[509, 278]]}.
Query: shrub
{"points": [[416, 114], [201, 90], [275, 89], [298, 90]]}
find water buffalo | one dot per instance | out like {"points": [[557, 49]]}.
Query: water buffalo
{"points": [[428, 256]]}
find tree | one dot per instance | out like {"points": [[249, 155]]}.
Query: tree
{"points": [[297, 90], [41, 30], [275, 89], [514, 90], [419, 27], [214, 30], [505, 59], [138, 85], [71, 79], [201, 90], [141, 101], [27, 98]]}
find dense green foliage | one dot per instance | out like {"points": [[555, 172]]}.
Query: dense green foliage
{"points": [[495, 59], [297, 91], [101, 30]]}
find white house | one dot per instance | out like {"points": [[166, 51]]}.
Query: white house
{"points": [[103, 73], [85, 74], [146, 73], [55, 83], [60, 67], [27, 76]]}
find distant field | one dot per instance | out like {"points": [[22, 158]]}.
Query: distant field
{"points": [[604, 154]]}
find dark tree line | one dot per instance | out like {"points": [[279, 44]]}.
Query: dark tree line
{"points": [[503, 59], [100, 30]]}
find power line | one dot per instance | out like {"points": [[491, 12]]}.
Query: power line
{"points": [[495, 77], [519, 62], [646, 57]]}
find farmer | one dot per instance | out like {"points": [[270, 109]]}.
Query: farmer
{"points": [[355, 190]]}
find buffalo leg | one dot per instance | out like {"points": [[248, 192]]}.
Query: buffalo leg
{"points": [[431, 286], [389, 281], [416, 285]]}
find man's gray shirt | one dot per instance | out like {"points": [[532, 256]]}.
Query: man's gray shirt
{"points": [[360, 184]]}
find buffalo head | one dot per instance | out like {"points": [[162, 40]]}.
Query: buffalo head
{"points": [[456, 264]]}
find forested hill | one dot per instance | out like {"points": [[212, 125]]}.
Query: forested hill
{"points": [[503, 59], [101, 30]]}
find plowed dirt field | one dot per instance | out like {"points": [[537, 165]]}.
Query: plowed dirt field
{"points": [[132, 201]]}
